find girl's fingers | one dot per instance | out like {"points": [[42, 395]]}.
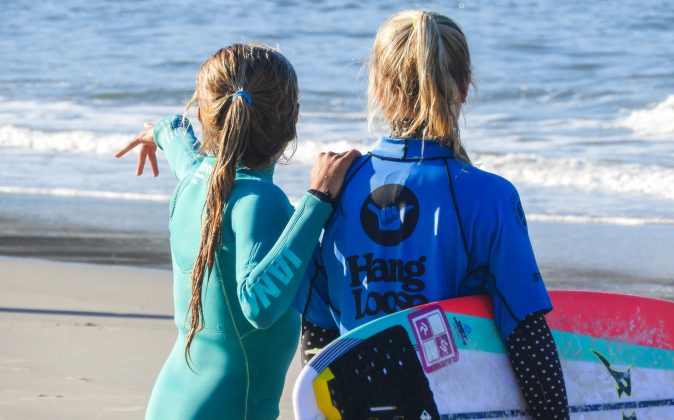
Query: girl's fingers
{"points": [[153, 163], [344, 159], [133, 143], [141, 162], [147, 148], [350, 155]]}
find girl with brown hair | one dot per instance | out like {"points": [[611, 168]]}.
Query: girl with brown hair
{"points": [[239, 249]]}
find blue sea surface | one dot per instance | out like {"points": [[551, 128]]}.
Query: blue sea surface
{"points": [[573, 101]]}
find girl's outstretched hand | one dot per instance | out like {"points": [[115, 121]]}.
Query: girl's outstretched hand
{"points": [[328, 172], [148, 149]]}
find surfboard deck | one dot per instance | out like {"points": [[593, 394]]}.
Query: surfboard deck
{"points": [[445, 360]]}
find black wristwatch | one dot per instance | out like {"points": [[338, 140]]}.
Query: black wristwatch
{"points": [[324, 196]]}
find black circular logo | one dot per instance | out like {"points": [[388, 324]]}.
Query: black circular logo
{"points": [[390, 214]]}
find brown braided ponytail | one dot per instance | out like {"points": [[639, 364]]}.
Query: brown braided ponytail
{"points": [[238, 133]]}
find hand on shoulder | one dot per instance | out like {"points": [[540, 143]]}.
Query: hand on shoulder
{"points": [[328, 172]]}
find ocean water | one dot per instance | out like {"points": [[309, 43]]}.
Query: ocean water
{"points": [[574, 101]]}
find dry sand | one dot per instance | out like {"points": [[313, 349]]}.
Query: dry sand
{"points": [[85, 341]]}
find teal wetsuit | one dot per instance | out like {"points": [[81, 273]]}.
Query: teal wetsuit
{"points": [[241, 356]]}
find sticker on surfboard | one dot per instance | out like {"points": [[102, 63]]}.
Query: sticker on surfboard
{"points": [[434, 338]]}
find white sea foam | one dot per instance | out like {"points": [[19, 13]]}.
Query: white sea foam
{"points": [[70, 116], [630, 179], [90, 142], [654, 122], [70, 192], [587, 175], [62, 141]]}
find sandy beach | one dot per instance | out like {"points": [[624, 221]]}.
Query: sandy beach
{"points": [[84, 341]]}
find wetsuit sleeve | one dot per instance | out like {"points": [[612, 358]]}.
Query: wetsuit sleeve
{"points": [[272, 255], [514, 281], [175, 137], [534, 358]]}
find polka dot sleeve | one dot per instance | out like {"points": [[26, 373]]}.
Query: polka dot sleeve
{"points": [[314, 338], [534, 357]]}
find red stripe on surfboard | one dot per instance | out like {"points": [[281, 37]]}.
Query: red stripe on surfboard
{"points": [[626, 318]]}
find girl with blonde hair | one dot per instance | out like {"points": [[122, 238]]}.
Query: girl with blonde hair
{"points": [[417, 223], [239, 249]]}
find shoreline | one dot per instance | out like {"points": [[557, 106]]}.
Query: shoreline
{"points": [[615, 258]]}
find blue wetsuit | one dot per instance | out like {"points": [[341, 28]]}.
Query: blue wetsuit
{"points": [[414, 225]]}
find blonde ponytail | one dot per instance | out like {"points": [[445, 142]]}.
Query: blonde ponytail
{"points": [[419, 75]]}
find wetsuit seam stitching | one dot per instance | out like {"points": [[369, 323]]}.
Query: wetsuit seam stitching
{"points": [[180, 189], [248, 333], [452, 191], [502, 298], [470, 273], [238, 335]]}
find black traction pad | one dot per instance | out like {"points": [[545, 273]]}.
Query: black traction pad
{"points": [[381, 378]]}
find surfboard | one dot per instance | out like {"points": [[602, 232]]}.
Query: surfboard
{"points": [[445, 360]]}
